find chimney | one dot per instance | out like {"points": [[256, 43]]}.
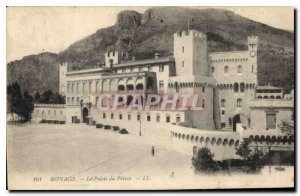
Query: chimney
{"points": [[156, 55]]}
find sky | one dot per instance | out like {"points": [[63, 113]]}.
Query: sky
{"points": [[32, 30]]}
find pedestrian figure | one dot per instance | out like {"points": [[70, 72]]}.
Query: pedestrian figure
{"points": [[172, 175], [152, 150]]}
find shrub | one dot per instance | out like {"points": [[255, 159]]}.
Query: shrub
{"points": [[123, 131], [204, 162]]}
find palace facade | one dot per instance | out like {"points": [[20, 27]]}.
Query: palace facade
{"points": [[233, 105]]}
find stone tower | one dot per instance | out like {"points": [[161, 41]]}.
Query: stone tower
{"points": [[190, 53]]}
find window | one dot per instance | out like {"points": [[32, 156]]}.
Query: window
{"points": [[182, 63], [177, 119], [203, 103], [223, 125], [242, 87], [239, 69], [203, 89], [148, 117], [104, 116], [271, 120], [223, 112], [157, 118], [252, 68], [138, 117], [48, 112], [68, 88], [120, 116], [212, 69], [77, 101], [226, 69], [161, 68], [236, 87], [168, 119], [72, 100], [161, 84], [223, 103], [239, 103], [182, 49], [129, 116], [112, 116]]}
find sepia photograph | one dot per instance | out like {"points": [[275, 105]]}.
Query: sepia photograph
{"points": [[150, 98]]}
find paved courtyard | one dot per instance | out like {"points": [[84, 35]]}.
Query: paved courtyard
{"points": [[77, 156]]}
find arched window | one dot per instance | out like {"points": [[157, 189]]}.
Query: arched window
{"points": [[150, 84], [239, 103], [278, 97], [236, 87], [212, 69], [77, 87], [90, 87], [83, 87], [266, 97], [226, 69], [239, 69], [223, 102], [259, 97], [72, 87], [272, 97], [242, 87], [68, 88]]}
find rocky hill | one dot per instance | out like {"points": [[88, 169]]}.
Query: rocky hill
{"points": [[151, 32]]}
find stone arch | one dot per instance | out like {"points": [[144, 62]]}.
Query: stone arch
{"points": [[105, 85], [242, 87], [175, 134], [207, 140], [225, 141], [192, 138], [187, 137], [231, 142], [202, 139], [183, 136], [113, 85], [179, 135], [213, 141], [121, 84], [266, 97], [236, 143], [236, 87], [196, 139], [278, 97], [219, 141], [129, 84], [139, 84]]}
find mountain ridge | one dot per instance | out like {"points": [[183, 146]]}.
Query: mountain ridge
{"points": [[145, 34]]}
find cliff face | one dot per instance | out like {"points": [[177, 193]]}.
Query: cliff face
{"points": [[145, 34]]}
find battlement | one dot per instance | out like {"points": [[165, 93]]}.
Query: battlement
{"points": [[252, 39], [113, 53], [187, 33]]}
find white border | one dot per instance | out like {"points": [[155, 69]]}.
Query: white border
{"points": [[4, 3]]}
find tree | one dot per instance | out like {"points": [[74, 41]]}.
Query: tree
{"points": [[21, 105], [46, 96], [244, 152], [256, 160], [27, 105], [287, 127], [253, 159], [37, 97], [204, 161]]}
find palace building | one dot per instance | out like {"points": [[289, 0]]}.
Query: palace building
{"points": [[233, 105]]}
